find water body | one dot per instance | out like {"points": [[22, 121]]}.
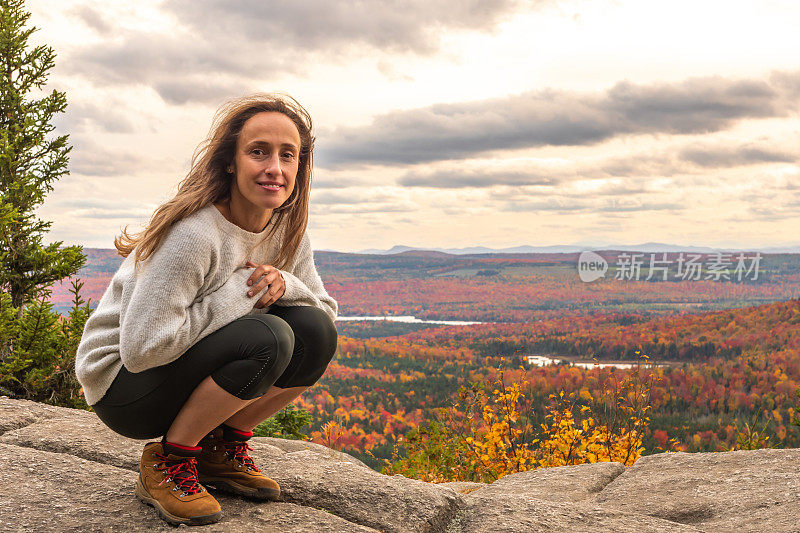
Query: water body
{"points": [[409, 319], [543, 360]]}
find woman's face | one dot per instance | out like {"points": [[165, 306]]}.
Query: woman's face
{"points": [[267, 158]]}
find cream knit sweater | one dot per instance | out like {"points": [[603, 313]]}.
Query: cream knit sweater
{"points": [[191, 286]]}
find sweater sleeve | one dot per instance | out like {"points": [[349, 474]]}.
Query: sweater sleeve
{"points": [[303, 284], [164, 314]]}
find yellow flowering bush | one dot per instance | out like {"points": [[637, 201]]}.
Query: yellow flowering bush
{"points": [[489, 431]]}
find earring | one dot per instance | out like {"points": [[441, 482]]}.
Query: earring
{"points": [[230, 170]]}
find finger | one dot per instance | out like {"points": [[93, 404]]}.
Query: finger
{"points": [[275, 291], [253, 276], [265, 281], [259, 271], [262, 284], [280, 293], [266, 299], [278, 287]]}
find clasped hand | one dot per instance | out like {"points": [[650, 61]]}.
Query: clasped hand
{"points": [[269, 276]]}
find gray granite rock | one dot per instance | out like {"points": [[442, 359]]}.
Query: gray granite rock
{"points": [[290, 518], [516, 513], [463, 487], [558, 484], [361, 495], [45, 491], [739, 491], [19, 413], [549, 499], [80, 433], [63, 470], [288, 445], [313, 476]]}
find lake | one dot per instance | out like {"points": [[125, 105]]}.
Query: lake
{"points": [[408, 319], [543, 360]]}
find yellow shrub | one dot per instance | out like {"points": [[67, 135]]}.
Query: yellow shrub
{"points": [[487, 433]]}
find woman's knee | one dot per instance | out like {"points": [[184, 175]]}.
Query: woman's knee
{"points": [[266, 348], [321, 331], [325, 338], [316, 333], [311, 324], [271, 334]]}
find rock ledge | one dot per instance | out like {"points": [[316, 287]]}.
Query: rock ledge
{"points": [[63, 470]]}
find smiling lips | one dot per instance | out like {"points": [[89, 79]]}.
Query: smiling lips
{"points": [[270, 186]]}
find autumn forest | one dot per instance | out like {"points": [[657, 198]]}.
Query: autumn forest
{"points": [[722, 354]]}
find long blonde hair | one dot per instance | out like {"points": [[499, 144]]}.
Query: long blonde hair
{"points": [[208, 181]]}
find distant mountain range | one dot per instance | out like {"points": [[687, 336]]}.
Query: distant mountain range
{"points": [[574, 248]]}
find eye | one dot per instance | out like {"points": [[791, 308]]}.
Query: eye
{"points": [[257, 151], [288, 155]]}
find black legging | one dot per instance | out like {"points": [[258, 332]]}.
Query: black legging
{"points": [[287, 347]]}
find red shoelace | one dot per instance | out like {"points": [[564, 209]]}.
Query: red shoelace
{"points": [[239, 452], [183, 472]]}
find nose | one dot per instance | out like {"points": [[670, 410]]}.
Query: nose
{"points": [[273, 165]]}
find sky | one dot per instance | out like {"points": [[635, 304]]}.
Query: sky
{"points": [[446, 124]]}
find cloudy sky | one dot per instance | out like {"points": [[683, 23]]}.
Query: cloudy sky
{"points": [[447, 124]]}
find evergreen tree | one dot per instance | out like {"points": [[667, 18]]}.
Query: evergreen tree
{"points": [[30, 161], [37, 345]]}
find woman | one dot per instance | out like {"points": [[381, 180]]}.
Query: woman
{"points": [[217, 318]]}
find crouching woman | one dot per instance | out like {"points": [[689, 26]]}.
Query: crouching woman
{"points": [[217, 317]]}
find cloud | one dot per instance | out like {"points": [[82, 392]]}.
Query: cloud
{"points": [[625, 189], [199, 89], [586, 205], [361, 208], [518, 173], [359, 201], [685, 159], [361, 196], [553, 117], [112, 213], [619, 207], [324, 26], [766, 213], [336, 180], [243, 42], [458, 178], [155, 59], [100, 208], [791, 182], [91, 159], [108, 117], [92, 19], [389, 70], [733, 156]]}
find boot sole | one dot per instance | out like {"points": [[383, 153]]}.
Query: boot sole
{"points": [[226, 485], [170, 518]]}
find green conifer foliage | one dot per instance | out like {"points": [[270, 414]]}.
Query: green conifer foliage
{"points": [[37, 345], [31, 160]]}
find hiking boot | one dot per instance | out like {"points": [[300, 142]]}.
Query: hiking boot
{"points": [[224, 464], [168, 482]]}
